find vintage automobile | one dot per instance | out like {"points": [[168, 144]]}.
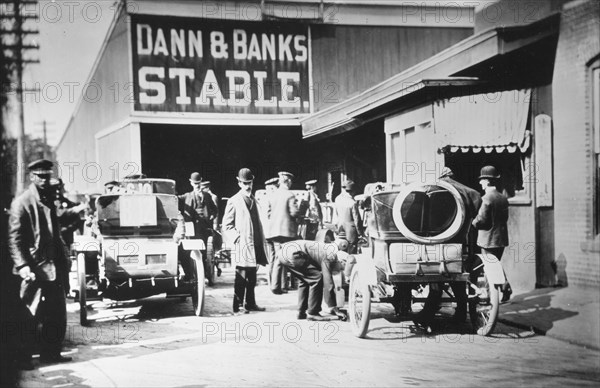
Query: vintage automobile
{"points": [[412, 245], [139, 248]]}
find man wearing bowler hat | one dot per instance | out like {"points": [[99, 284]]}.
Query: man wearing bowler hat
{"points": [[198, 207], [348, 217], [41, 261], [491, 220], [243, 234]]}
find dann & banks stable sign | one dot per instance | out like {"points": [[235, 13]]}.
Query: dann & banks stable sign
{"points": [[219, 66]]}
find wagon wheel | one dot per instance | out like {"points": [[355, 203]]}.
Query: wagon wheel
{"points": [[210, 261], [82, 289], [483, 307], [359, 304], [198, 287]]}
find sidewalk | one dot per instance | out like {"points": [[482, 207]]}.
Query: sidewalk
{"points": [[569, 314]]}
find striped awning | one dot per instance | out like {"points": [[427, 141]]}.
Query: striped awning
{"points": [[486, 123]]}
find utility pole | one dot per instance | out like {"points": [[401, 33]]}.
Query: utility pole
{"points": [[17, 61], [45, 131]]}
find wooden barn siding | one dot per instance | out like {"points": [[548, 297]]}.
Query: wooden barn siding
{"points": [[94, 115], [350, 59]]}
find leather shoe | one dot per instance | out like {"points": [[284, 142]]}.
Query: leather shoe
{"points": [[240, 311], [301, 315], [317, 317], [279, 292], [255, 308], [55, 359], [506, 296]]}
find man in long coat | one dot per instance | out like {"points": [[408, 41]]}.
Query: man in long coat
{"points": [[40, 260], [243, 234]]}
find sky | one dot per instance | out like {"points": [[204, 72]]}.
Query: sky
{"points": [[71, 34]]}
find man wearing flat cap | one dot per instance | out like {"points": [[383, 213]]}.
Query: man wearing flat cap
{"points": [[348, 218], [491, 220], [243, 234], [41, 261], [283, 211]]}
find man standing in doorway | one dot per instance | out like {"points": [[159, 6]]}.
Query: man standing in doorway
{"points": [[243, 233], [491, 220], [283, 211], [40, 259], [348, 217]]}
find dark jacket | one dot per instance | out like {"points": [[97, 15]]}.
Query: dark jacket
{"points": [[491, 220], [199, 209], [472, 201], [34, 237]]}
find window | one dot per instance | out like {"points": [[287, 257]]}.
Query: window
{"points": [[467, 166]]}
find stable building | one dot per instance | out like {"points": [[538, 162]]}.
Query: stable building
{"points": [[184, 86]]}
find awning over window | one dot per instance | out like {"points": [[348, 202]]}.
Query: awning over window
{"points": [[484, 122]]}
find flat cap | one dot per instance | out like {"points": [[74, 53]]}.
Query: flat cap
{"points": [[285, 173], [311, 182], [111, 183], [40, 166], [205, 184], [272, 181]]}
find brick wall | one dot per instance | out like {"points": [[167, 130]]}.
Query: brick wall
{"points": [[579, 43]]}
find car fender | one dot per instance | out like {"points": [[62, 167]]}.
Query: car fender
{"points": [[492, 268]]}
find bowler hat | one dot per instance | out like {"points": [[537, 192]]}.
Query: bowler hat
{"points": [[285, 173], [349, 185], [272, 181], [489, 172], [245, 175], [195, 177], [311, 182], [40, 166]]}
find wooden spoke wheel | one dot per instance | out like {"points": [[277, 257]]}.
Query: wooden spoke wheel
{"points": [[484, 306], [359, 304]]}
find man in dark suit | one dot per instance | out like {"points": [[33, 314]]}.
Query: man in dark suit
{"points": [[282, 212], [491, 220], [197, 207], [243, 234], [40, 259]]}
